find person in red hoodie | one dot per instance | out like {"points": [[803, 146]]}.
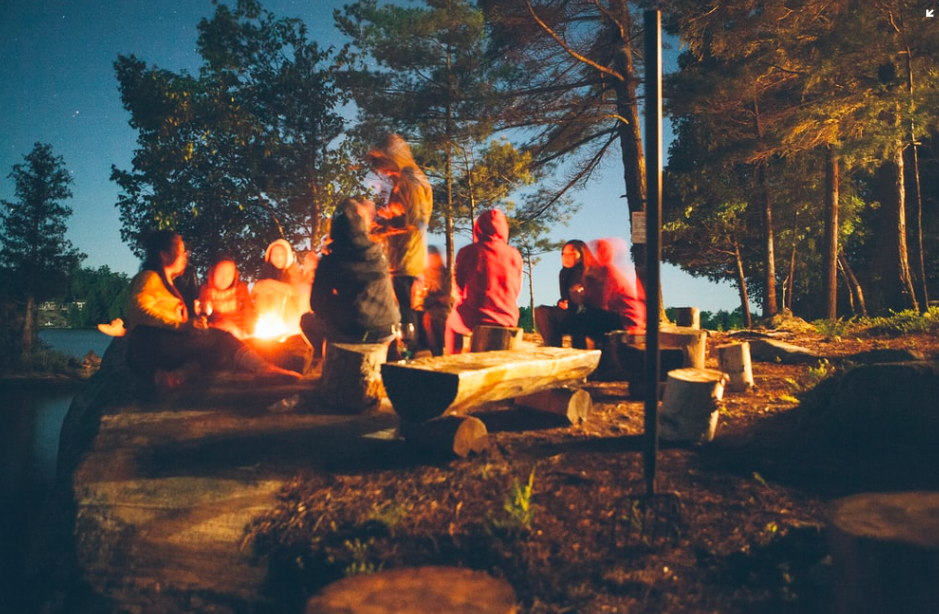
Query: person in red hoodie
{"points": [[488, 276]]}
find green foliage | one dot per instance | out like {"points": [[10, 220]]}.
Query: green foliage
{"points": [[243, 153], [906, 321], [518, 514], [722, 320], [525, 319], [103, 292], [819, 372], [359, 555], [834, 328]]}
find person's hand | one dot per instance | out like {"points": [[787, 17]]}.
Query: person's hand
{"points": [[391, 210], [200, 323], [562, 304]]}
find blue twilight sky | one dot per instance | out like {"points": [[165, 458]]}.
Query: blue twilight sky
{"points": [[57, 86]]}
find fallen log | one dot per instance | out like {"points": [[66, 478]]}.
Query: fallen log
{"points": [[885, 553], [572, 404], [457, 435], [691, 404], [429, 387]]}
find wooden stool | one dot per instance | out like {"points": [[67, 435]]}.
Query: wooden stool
{"points": [[885, 553], [351, 378], [691, 404], [415, 590], [494, 338]]}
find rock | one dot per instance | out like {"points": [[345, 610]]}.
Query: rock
{"points": [[884, 355]]}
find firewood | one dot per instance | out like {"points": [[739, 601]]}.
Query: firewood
{"points": [[734, 360], [572, 404], [429, 387], [458, 435], [885, 553], [691, 404]]}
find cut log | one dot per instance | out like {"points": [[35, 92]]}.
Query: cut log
{"points": [[494, 338], [457, 435], [429, 387], [691, 404], [688, 317], [573, 404], [417, 590], [691, 341], [734, 360], [351, 378], [885, 553]]}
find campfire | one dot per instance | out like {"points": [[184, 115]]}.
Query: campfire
{"points": [[272, 327]]}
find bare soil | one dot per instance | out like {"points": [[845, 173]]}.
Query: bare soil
{"points": [[734, 525]]}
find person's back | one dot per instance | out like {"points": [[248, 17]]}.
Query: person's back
{"points": [[488, 275]]}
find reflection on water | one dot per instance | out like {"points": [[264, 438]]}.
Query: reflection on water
{"points": [[31, 418]]}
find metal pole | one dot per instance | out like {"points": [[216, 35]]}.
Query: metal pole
{"points": [[653, 149]]}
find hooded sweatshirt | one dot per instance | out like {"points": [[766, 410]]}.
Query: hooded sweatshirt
{"points": [[489, 274], [352, 291]]}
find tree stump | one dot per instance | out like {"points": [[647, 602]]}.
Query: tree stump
{"points": [[691, 404], [572, 404], [351, 378], [734, 360], [417, 590], [458, 435], [885, 553], [494, 338], [691, 341], [689, 317]]}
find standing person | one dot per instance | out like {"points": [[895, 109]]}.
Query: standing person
{"points": [[403, 220], [165, 345], [555, 321], [352, 297], [225, 300], [488, 276]]}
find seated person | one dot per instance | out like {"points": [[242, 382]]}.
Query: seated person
{"points": [[437, 301], [224, 299], [488, 276], [352, 298], [613, 298], [282, 288], [167, 346], [553, 322]]}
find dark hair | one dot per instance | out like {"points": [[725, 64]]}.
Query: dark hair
{"points": [[580, 246], [154, 243]]}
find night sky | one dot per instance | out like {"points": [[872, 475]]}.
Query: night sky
{"points": [[57, 86]]}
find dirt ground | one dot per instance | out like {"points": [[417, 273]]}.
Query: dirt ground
{"points": [[735, 525]]}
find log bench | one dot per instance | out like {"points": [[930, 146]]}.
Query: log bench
{"points": [[426, 388]]}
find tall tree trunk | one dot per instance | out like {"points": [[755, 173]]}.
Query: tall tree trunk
{"points": [[531, 288], [742, 286], [854, 286], [921, 260], [790, 280], [770, 307], [29, 330], [830, 240], [899, 259]]}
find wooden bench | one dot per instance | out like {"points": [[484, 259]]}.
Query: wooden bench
{"points": [[426, 388]]}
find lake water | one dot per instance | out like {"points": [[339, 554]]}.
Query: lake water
{"points": [[32, 417]]}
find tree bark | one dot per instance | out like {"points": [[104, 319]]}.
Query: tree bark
{"points": [[830, 241], [29, 330], [899, 259], [742, 286], [854, 286], [770, 307]]}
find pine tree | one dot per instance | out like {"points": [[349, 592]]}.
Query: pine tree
{"points": [[36, 258]]}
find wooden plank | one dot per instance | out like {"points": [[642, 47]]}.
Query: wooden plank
{"points": [[429, 387]]}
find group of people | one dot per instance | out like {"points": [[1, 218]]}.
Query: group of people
{"points": [[377, 281]]}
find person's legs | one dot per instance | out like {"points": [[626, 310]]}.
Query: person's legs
{"points": [[403, 286], [453, 335]]}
